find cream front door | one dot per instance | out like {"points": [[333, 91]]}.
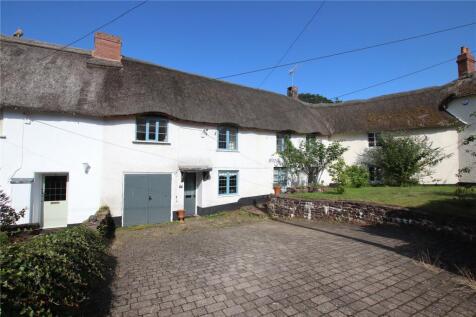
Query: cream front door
{"points": [[55, 204]]}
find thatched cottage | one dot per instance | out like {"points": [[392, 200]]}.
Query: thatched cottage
{"points": [[80, 129]]}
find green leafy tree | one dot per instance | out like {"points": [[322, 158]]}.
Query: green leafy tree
{"points": [[470, 147], [403, 159], [314, 98], [312, 157]]}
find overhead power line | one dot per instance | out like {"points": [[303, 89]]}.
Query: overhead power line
{"points": [[57, 50], [293, 43], [348, 51], [397, 78]]}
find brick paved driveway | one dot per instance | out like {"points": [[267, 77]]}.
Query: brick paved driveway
{"points": [[269, 268]]}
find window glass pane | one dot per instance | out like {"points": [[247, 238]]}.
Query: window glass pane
{"points": [[152, 129], [55, 188], [279, 143], [222, 184], [233, 184], [232, 142], [140, 129], [222, 138]]}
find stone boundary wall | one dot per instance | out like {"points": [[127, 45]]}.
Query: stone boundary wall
{"points": [[362, 213]]}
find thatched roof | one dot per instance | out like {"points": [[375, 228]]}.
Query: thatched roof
{"points": [[45, 78]]}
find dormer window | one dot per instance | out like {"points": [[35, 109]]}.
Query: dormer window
{"points": [[151, 129], [281, 141], [374, 139], [227, 138]]}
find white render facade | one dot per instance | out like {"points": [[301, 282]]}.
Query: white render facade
{"points": [[97, 154], [95, 129]]}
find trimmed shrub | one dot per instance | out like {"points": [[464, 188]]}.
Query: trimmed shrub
{"points": [[107, 227], [357, 175], [51, 275]]}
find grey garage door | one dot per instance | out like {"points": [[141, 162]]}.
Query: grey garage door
{"points": [[146, 198]]}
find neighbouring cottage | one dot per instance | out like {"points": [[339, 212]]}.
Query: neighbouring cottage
{"points": [[80, 129]]}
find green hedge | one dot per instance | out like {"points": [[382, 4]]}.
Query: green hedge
{"points": [[52, 274]]}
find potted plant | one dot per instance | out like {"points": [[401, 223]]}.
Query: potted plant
{"points": [[277, 190], [181, 215]]}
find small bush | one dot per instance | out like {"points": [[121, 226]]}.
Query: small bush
{"points": [[357, 175], [8, 215], [107, 227], [51, 275]]}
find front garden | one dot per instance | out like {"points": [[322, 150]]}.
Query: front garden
{"points": [[397, 163], [441, 200], [55, 273]]}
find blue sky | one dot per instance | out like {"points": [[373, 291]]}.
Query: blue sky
{"points": [[221, 38]]}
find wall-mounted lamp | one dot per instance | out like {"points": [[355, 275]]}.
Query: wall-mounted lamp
{"points": [[86, 167]]}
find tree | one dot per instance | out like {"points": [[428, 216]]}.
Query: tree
{"points": [[314, 98], [403, 159], [470, 143], [311, 158]]}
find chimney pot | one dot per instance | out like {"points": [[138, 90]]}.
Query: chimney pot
{"points": [[293, 92], [465, 62], [107, 47]]}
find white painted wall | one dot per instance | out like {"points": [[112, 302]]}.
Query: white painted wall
{"points": [[462, 108], [188, 145], [32, 146], [447, 139], [54, 143]]}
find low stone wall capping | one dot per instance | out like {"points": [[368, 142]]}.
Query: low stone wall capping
{"points": [[363, 213]]}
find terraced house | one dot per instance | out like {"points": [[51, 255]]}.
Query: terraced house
{"points": [[80, 129]]}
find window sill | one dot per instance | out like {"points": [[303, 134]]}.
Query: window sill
{"points": [[228, 195], [224, 150], [150, 142]]}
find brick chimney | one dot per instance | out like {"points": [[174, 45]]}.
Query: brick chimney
{"points": [[107, 47], [465, 62], [293, 92]]}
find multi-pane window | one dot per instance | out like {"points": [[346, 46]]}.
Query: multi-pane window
{"points": [[151, 129], [374, 139], [227, 182], [55, 188], [281, 141], [375, 175], [227, 138], [281, 177]]}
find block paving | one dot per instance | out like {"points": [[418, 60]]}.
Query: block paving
{"points": [[270, 268]]}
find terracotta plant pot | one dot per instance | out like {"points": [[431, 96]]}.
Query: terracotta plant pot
{"points": [[181, 215], [277, 190]]}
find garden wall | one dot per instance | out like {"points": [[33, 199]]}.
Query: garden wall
{"points": [[364, 213]]}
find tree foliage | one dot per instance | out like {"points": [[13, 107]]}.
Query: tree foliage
{"points": [[345, 175], [8, 215], [314, 98], [404, 159], [469, 143], [312, 157]]}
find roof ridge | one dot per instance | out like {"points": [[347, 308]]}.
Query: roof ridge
{"points": [[58, 47]]}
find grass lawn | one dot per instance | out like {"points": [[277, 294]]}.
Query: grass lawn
{"points": [[437, 200]]}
